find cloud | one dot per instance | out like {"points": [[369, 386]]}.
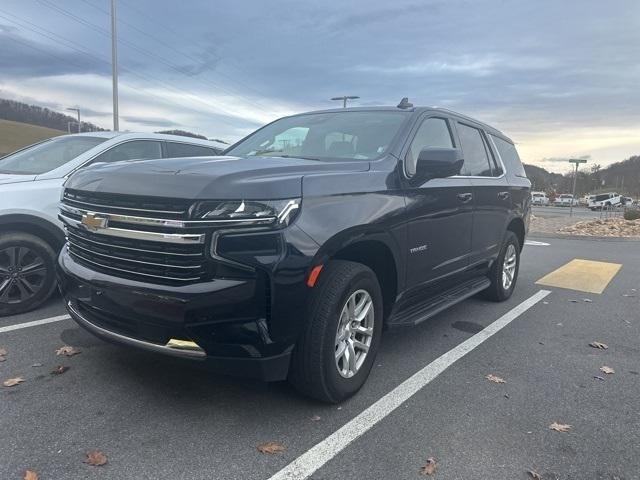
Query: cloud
{"points": [[560, 78], [22, 57]]}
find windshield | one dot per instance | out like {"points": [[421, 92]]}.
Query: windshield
{"points": [[47, 155], [348, 135]]}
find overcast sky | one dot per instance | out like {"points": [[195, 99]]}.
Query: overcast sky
{"points": [[562, 78]]}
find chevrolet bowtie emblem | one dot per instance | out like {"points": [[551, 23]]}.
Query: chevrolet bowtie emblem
{"points": [[93, 222]]}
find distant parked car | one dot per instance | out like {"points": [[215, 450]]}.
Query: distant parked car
{"points": [[605, 200], [586, 199], [539, 198], [30, 186], [565, 200]]}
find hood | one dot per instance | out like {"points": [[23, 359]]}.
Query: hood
{"points": [[15, 178], [250, 178]]}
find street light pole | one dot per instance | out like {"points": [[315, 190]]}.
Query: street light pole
{"points": [[344, 99], [77, 110], [576, 161], [114, 65]]}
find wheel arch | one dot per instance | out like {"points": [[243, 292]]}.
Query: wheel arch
{"points": [[516, 225], [48, 231], [376, 251]]}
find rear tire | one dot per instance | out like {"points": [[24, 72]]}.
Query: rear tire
{"points": [[320, 366], [506, 265], [27, 272]]}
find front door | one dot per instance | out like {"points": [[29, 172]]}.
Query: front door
{"points": [[440, 216]]}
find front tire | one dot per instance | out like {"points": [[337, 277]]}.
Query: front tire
{"points": [[335, 353], [504, 271], [27, 276]]}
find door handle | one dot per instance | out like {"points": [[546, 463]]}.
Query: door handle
{"points": [[465, 197], [504, 196]]}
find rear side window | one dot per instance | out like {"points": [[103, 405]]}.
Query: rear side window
{"points": [[476, 156], [136, 149], [433, 132], [509, 156], [186, 150]]}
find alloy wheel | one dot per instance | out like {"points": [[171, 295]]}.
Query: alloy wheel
{"points": [[22, 274], [354, 334], [509, 266]]}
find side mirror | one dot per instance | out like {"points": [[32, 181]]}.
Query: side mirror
{"points": [[438, 163]]}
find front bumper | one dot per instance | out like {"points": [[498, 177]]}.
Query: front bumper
{"points": [[227, 318]]}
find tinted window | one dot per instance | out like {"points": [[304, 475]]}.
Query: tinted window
{"points": [[476, 160], [509, 156], [187, 150], [351, 135], [48, 155], [433, 132], [137, 149]]}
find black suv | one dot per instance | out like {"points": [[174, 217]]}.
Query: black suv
{"points": [[288, 256]]}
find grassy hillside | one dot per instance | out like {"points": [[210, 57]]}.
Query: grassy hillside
{"points": [[15, 135]]}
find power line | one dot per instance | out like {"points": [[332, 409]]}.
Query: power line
{"points": [[145, 52], [70, 44], [178, 34]]}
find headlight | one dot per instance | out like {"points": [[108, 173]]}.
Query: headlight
{"points": [[258, 212]]}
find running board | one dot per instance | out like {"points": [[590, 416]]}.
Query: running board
{"points": [[419, 312]]}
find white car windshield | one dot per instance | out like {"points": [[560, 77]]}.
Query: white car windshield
{"points": [[46, 156]]}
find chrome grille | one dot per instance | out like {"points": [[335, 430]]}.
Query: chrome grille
{"points": [[126, 204], [141, 243]]}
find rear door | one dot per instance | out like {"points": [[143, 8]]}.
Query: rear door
{"points": [[490, 191], [439, 214]]}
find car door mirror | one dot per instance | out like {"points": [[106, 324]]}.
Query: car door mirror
{"points": [[438, 163]]}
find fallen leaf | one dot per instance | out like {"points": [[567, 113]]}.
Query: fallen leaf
{"points": [[59, 370], [608, 370], [535, 475], [560, 427], [271, 448], [315, 418], [30, 475], [12, 382], [96, 458], [599, 345], [495, 379], [429, 468], [67, 351]]}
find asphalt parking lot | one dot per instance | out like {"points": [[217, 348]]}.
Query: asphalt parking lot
{"points": [[155, 418]]}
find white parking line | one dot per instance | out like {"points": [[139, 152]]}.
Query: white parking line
{"points": [[35, 323], [309, 462], [535, 243]]}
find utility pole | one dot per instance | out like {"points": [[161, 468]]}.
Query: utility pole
{"points": [[344, 99], [77, 110], [576, 161], [114, 65]]}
